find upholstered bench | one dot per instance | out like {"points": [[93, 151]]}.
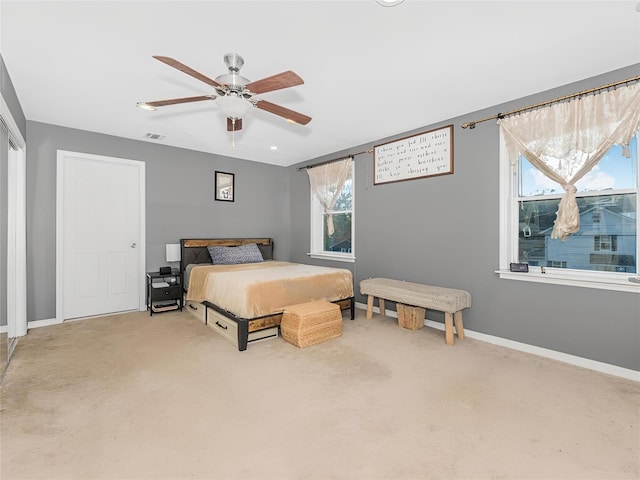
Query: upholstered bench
{"points": [[311, 323], [451, 301]]}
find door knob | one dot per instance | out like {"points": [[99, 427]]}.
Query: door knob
{"points": [[133, 245]]}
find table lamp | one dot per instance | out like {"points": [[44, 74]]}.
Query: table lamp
{"points": [[172, 255]]}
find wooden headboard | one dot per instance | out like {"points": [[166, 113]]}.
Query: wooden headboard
{"points": [[194, 250]]}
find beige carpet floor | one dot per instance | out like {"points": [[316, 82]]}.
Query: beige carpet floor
{"points": [[164, 397]]}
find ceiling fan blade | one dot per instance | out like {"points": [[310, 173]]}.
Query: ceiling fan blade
{"points": [[275, 82], [283, 112], [234, 127], [189, 71], [174, 101]]}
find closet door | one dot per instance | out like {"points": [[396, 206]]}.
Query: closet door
{"points": [[13, 288], [4, 235], [13, 256]]}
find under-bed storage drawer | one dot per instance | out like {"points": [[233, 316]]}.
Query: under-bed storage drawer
{"points": [[228, 328], [196, 309], [221, 324]]}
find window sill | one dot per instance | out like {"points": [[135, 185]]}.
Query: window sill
{"points": [[333, 256], [621, 282]]}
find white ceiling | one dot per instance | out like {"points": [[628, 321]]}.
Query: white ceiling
{"points": [[370, 72]]}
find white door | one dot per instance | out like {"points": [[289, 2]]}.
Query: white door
{"points": [[102, 234], [13, 284]]}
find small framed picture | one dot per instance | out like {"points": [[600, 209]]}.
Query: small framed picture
{"points": [[224, 186]]}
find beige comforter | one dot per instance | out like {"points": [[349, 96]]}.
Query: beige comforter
{"points": [[253, 290]]}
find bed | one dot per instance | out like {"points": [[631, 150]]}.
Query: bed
{"points": [[244, 300]]}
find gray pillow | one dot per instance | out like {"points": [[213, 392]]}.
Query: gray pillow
{"points": [[249, 253]]}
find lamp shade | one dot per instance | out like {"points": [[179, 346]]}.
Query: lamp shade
{"points": [[173, 252], [232, 106]]}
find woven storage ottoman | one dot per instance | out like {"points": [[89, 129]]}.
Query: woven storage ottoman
{"points": [[411, 318], [311, 323]]}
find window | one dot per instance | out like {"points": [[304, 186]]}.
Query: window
{"points": [[569, 173], [603, 252], [605, 243], [332, 224]]}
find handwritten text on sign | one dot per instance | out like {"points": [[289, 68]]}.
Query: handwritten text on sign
{"points": [[423, 155]]}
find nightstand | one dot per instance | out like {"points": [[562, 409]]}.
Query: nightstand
{"points": [[164, 291]]}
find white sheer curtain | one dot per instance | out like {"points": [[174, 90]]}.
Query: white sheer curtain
{"points": [[566, 140], [326, 184]]}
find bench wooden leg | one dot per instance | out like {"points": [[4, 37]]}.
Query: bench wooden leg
{"points": [[383, 311], [457, 319], [370, 307], [448, 328]]}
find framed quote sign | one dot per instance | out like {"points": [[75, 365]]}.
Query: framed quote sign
{"points": [[426, 154]]}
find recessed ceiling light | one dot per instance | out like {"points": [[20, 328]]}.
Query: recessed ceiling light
{"points": [[389, 3], [273, 147]]}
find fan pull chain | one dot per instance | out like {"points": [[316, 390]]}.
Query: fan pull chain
{"points": [[233, 133]]}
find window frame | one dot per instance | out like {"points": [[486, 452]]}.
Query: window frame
{"points": [[317, 227], [508, 239]]}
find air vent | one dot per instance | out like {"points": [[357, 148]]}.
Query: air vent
{"points": [[154, 136]]}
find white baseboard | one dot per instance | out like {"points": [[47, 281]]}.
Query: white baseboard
{"points": [[524, 347], [42, 323], [34, 324], [54, 321]]}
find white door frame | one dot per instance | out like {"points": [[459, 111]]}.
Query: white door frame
{"points": [[142, 300], [17, 221]]}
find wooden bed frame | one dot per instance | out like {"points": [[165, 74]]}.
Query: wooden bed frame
{"points": [[194, 250]]}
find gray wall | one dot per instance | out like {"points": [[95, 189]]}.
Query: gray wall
{"points": [[444, 231], [179, 201]]}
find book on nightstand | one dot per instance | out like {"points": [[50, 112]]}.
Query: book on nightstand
{"points": [[163, 307]]}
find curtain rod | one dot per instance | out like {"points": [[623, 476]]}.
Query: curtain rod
{"points": [[472, 125], [335, 160]]}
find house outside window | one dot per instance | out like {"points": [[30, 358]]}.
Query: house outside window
{"points": [[604, 249], [335, 242]]}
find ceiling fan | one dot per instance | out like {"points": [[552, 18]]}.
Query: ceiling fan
{"points": [[235, 94]]}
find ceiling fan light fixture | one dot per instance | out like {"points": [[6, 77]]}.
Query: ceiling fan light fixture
{"points": [[232, 106], [234, 94], [145, 106]]}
